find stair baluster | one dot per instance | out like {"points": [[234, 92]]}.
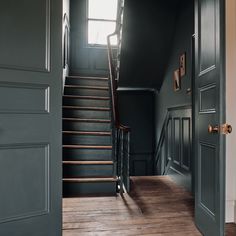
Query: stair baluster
{"points": [[121, 133]]}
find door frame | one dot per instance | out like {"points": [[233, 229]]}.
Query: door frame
{"points": [[222, 112], [222, 138]]}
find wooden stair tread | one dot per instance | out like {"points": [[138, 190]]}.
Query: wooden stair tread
{"points": [[86, 97], [88, 162], [98, 133], [87, 147], [87, 78], [86, 87], [87, 108], [87, 120], [90, 180]]}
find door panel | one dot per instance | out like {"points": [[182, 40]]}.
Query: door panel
{"points": [[209, 110], [33, 200], [19, 35], [207, 30], [27, 98], [207, 179], [30, 117], [207, 105]]}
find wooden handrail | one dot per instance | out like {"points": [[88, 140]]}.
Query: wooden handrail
{"points": [[120, 133], [113, 74], [125, 128], [113, 83]]}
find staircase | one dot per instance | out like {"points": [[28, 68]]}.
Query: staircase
{"points": [[88, 167]]}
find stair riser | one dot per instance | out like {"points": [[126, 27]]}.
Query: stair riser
{"points": [[86, 114], [87, 155], [84, 126], [86, 139], [86, 92], [87, 82], [73, 171], [86, 102], [77, 189], [82, 170]]}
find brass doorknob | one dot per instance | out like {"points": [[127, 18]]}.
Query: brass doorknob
{"points": [[224, 129], [212, 129]]}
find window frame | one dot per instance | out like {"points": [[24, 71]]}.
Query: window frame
{"points": [[101, 46]]}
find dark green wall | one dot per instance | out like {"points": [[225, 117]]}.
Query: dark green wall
{"points": [[136, 111], [167, 98], [84, 60], [147, 39], [174, 156], [154, 35], [182, 42]]}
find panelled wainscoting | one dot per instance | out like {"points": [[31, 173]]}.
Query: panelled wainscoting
{"points": [[173, 154]]}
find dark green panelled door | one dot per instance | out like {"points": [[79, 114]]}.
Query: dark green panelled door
{"points": [[209, 110], [30, 117]]}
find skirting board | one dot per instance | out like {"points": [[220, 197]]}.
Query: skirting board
{"points": [[230, 211]]}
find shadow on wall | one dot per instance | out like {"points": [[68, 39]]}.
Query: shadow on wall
{"points": [[182, 43], [147, 37], [155, 35], [136, 111]]}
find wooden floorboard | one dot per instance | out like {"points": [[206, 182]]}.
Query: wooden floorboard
{"points": [[231, 229], [155, 206]]}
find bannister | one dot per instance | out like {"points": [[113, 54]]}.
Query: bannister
{"points": [[121, 133], [113, 82], [166, 151], [123, 156]]}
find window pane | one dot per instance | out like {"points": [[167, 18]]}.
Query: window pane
{"points": [[99, 30], [102, 9]]}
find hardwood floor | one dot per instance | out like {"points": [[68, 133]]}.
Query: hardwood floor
{"points": [[155, 206], [231, 229]]}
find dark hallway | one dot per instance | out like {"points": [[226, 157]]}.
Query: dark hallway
{"points": [[156, 52]]}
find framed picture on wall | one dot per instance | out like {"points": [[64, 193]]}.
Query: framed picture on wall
{"points": [[182, 65], [176, 80]]}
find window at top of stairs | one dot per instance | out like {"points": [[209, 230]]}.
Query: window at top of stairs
{"points": [[101, 17]]}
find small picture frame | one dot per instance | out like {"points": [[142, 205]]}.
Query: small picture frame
{"points": [[182, 65], [176, 80]]}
